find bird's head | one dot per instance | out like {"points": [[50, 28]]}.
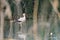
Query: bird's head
{"points": [[23, 14]]}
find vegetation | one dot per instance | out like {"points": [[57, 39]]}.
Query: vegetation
{"points": [[42, 18]]}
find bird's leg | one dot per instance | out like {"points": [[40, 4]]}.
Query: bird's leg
{"points": [[21, 26]]}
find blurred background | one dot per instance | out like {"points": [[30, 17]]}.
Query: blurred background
{"points": [[29, 19]]}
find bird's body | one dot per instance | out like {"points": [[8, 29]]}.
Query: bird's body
{"points": [[22, 19]]}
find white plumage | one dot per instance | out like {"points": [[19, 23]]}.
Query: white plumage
{"points": [[22, 19]]}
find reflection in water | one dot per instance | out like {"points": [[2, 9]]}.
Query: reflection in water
{"points": [[48, 25]]}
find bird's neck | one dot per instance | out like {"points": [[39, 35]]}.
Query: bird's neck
{"points": [[24, 16]]}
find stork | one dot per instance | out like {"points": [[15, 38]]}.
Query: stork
{"points": [[21, 20]]}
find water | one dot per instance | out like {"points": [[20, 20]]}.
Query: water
{"points": [[48, 24]]}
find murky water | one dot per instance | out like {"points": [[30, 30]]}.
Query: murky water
{"points": [[48, 24]]}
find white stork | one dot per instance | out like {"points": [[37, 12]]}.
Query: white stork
{"points": [[21, 20]]}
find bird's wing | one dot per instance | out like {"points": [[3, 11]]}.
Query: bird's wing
{"points": [[20, 19]]}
